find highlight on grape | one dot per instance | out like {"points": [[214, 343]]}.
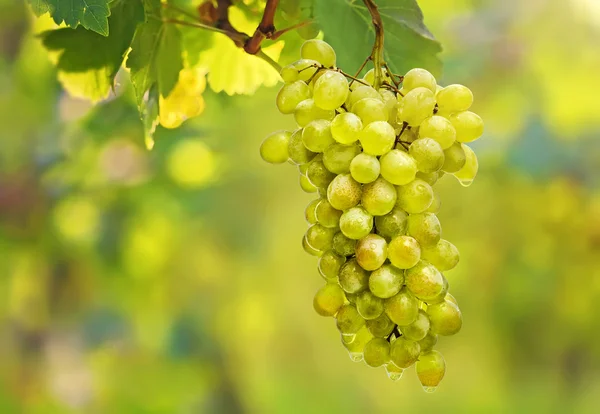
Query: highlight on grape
{"points": [[373, 155]]}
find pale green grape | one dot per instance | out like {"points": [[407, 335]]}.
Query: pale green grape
{"points": [[306, 185], [431, 368], [318, 175], [299, 154], [378, 197], [429, 178], [370, 77], [343, 245], [404, 252], [468, 125], [316, 136], [307, 111], [402, 308], [429, 341], [370, 110], [365, 168], [356, 347], [391, 103], [424, 281], [386, 281], [440, 129], [381, 326], [290, 95], [346, 127], [330, 264], [337, 157], [329, 299], [376, 352], [467, 174], [310, 211], [309, 249], [368, 305], [319, 237], [443, 255], [442, 295], [436, 204], [416, 78], [428, 154], [392, 224], [307, 68], [274, 149], [348, 320], [445, 318], [309, 31], [320, 51], [353, 278], [417, 106], [289, 73], [414, 197], [425, 228], [454, 158], [362, 92], [326, 215], [371, 251], [344, 192], [451, 299], [417, 330], [331, 90], [377, 138], [454, 98], [398, 167], [404, 352], [356, 223]]}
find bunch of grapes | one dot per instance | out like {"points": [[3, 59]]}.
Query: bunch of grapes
{"points": [[373, 155]]}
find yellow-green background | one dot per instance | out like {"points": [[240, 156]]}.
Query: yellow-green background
{"points": [[174, 281]]}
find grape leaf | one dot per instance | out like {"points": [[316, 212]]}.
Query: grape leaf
{"points": [[91, 14], [408, 43], [87, 62]]}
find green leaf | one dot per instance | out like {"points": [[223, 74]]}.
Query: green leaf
{"points": [[91, 14], [408, 43], [88, 62]]}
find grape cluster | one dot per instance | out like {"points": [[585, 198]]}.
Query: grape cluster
{"points": [[373, 155]]}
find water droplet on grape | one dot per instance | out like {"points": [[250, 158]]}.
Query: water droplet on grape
{"points": [[429, 389], [465, 183], [394, 373], [348, 338], [356, 356]]}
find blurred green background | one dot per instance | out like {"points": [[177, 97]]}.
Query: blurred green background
{"points": [[173, 281]]}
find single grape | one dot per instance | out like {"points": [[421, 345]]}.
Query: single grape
{"points": [[310, 212], [298, 153], [391, 104], [337, 157], [356, 347], [445, 318], [467, 174], [365, 168], [392, 224], [468, 125], [414, 197], [330, 264], [428, 155], [316, 136], [274, 149], [289, 73], [319, 237], [370, 110], [348, 320], [443, 255], [290, 95], [320, 51], [331, 90], [376, 352], [377, 138], [379, 197], [346, 127], [309, 31], [436, 204], [416, 78], [431, 368], [454, 98], [368, 305], [429, 178], [402, 308], [356, 223], [440, 129], [307, 68], [362, 92], [404, 252], [398, 167], [425, 228], [417, 330], [386, 281], [343, 245], [309, 249], [329, 299], [451, 299], [428, 342], [404, 352], [371, 251], [381, 326], [318, 174], [352, 277], [442, 295], [454, 158], [418, 105], [307, 111], [326, 215], [424, 281], [306, 185], [344, 192]]}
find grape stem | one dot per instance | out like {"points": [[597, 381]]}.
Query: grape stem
{"points": [[395, 333], [265, 29], [377, 52]]}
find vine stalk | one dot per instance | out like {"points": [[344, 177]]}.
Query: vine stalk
{"points": [[377, 52]]}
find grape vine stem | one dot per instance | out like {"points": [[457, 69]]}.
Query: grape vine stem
{"points": [[377, 53]]}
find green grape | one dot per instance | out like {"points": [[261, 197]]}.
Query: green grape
{"points": [[330, 264], [404, 252], [318, 174], [392, 224], [307, 111], [428, 155], [306, 185], [351, 297], [346, 127], [467, 174], [417, 78], [428, 342], [326, 215], [379, 197], [425, 228], [440, 129], [398, 167], [431, 368], [414, 197], [316, 136], [429, 178], [377, 138], [391, 103], [436, 204], [356, 223], [370, 110], [404, 352], [424, 281], [451, 299], [365, 168], [274, 149], [468, 125], [442, 295], [331, 90], [344, 192], [371, 251], [309, 31], [309, 249], [443, 255], [454, 98], [402, 308], [310, 211], [370, 77], [362, 92], [299, 154], [417, 330], [337, 157], [329, 299], [356, 347], [386, 281], [320, 51], [445, 318], [319, 237], [290, 95], [454, 158], [307, 68], [289, 73], [417, 106], [352, 277], [376, 352], [368, 305], [381, 326], [393, 372], [348, 320], [343, 245]]}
